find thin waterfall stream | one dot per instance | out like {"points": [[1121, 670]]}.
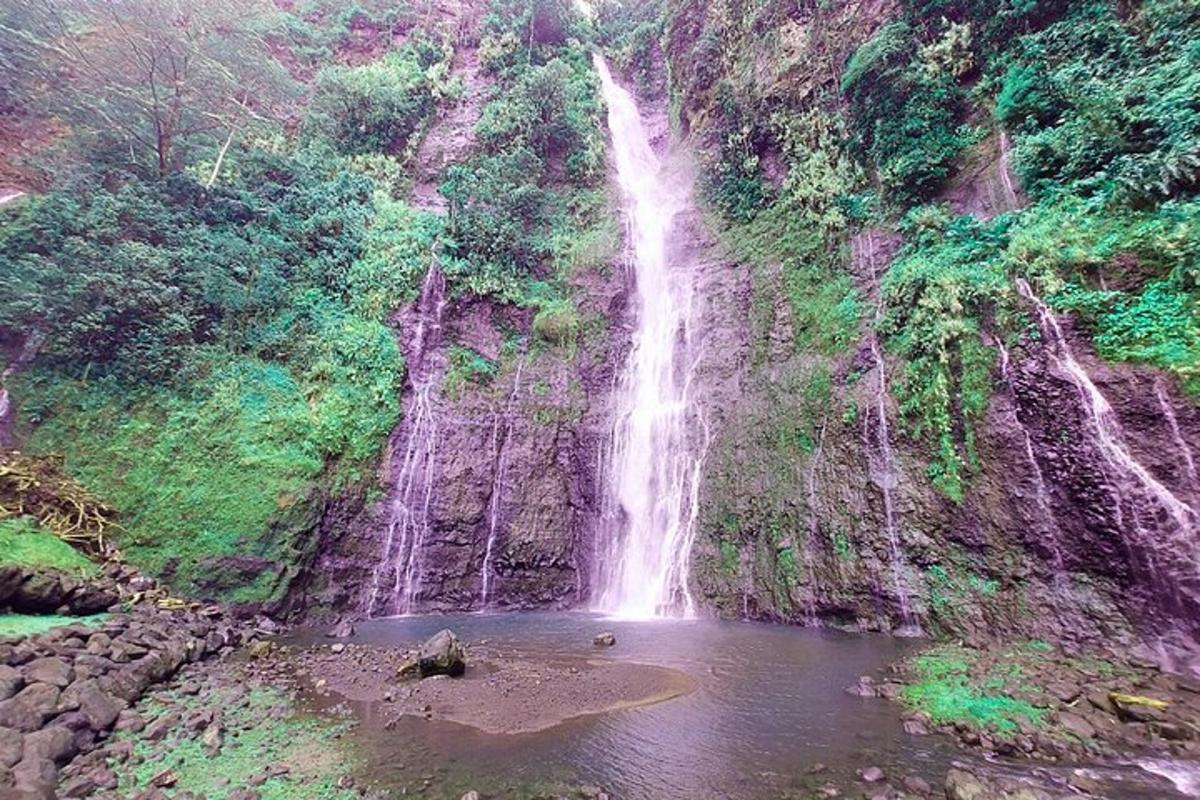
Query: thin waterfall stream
{"points": [[1045, 507], [496, 501], [654, 463], [885, 474], [1185, 452], [1167, 549], [395, 582]]}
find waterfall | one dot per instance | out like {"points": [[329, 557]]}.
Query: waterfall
{"points": [[814, 532], [396, 581], [1185, 452], [653, 470], [884, 470], [496, 501], [1132, 481]]}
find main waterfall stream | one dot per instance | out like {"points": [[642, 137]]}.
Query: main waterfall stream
{"points": [[659, 434]]}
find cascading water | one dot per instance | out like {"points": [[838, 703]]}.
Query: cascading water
{"points": [[496, 501], [396, 582], [654, 466], [1167, 546], [884, 470], [814, 532], [1185, 452]]}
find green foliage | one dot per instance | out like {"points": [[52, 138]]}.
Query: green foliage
{"points": [[381, 105], [398, 249], [521, 33], [226, 469], [129, 280], [940, 288], [514, 204], [1107, 102], [1072, 245], [945, 691], [466, 366], [23, 542], [906, 112]]}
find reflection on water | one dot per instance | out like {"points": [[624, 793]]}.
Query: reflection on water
{"points": [[770, 718]]}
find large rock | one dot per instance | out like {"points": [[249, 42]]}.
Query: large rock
{"points": [[98, 708], [11, 747], [962, 785], [442, 654], [30, 708], [10, 681], [35, 777], [1076, 724], [52, 670], [52, 743]]}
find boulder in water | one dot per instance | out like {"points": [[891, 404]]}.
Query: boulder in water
{"points": [[342, 630], [604, 639], [442, 654]]}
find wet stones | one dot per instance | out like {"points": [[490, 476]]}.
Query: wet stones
{"points": [[604, 639], [12, 745], [39, 591], [11, 681], [63, 690], [871, 774]]}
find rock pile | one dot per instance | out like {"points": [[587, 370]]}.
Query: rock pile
{"points": [[34, 591], [63, 691]]}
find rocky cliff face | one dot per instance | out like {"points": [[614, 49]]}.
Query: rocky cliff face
{"points": [[817, 505], [1078, 524]]}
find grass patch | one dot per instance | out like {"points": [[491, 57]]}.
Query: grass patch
{"points": [[19, 625], [23, 542]]}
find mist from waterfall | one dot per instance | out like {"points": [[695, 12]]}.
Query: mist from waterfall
{"points": [[659, 436]]}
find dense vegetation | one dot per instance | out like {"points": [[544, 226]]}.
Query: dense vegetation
{"points": [[1099, 103], [208, 279]]}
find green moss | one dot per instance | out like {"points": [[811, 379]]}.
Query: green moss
{"points": [[25, 543], [226, 471], [945, 691], [32, 624], [557, 323], [730, 560], [466, 366]]}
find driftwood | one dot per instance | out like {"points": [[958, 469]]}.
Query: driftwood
{"points": [[39, 487]]}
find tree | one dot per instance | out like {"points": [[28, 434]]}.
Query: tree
{"points": [[149, 77]]}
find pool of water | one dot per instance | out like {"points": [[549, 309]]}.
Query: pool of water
{"points": [[770, 718]]}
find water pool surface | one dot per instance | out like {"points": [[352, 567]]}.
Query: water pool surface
{"points": [[770, 718]]}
